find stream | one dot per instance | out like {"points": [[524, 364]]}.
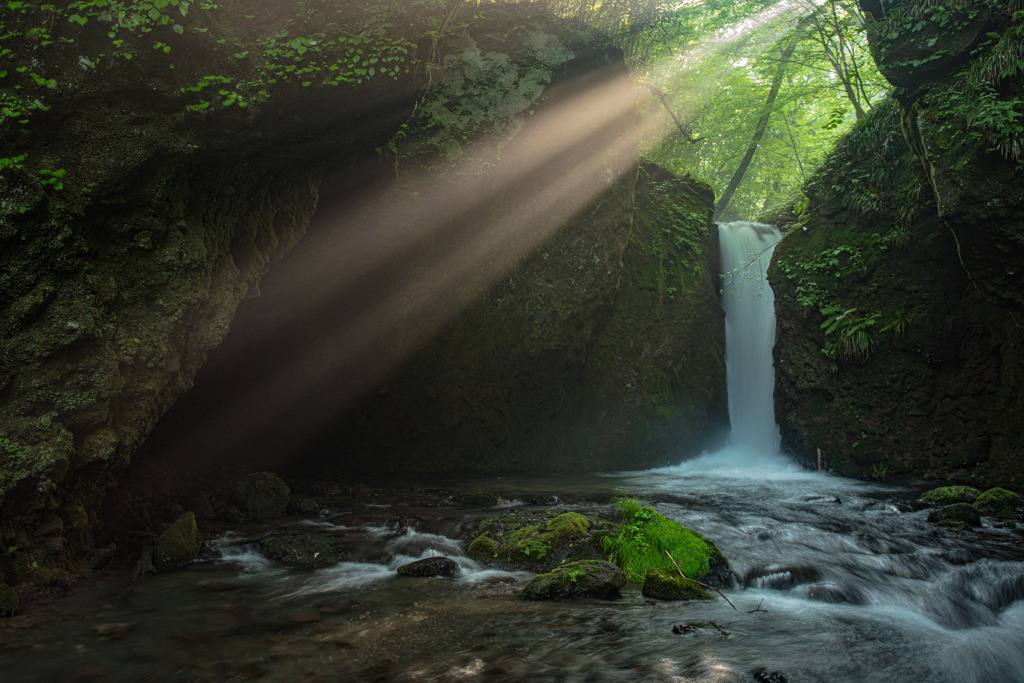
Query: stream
{"points": [[834, 580]]}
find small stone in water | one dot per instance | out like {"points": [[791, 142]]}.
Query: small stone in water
{"points": [[680, 629], [763, 676]]}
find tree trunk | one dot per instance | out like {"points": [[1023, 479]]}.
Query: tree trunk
{"points": [[762, 125]]}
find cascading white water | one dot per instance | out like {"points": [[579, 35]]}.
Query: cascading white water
{"points": [[749, 333]]}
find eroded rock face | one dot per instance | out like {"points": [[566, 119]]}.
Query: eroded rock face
{"points": [[139, 207], [898, 295]]}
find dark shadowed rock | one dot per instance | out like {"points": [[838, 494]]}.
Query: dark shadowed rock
{"points": [[430, 566], [964, 513], [584, 579], [179, 544], [262, 495]]}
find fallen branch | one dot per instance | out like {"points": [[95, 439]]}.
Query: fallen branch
{"points": [[710, 588], [758, 608]]}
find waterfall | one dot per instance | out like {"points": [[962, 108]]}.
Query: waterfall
{"points": [[749, 333]]}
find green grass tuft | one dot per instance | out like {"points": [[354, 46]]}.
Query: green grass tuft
{"points": [[644, 537]]}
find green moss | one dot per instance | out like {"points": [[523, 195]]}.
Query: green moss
{"points": [[536, 541], [180, 543], [951, 494], [586, 578], [646, 535], [998, 502], [666, 584], [483, 548]]}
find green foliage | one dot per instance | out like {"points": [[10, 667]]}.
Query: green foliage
{"points": [[644, 537], [847, 334]]}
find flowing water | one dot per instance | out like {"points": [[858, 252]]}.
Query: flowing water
{"points": [[835, 580], [749, 333]]}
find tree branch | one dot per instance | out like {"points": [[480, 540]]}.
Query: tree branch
{"points": [[710, 588]]}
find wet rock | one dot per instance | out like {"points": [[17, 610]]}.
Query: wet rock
{"points": [[665, 584], [480, 499], [998, 502], [303, 506], [179, 544], [683, 629], [765, 676], [9, 602], [303, 550], [587, 578], [102, 557], [262, 495], [545, 500], [962, 513], [948, 495], [430, 566], [362, 491], [536, 540]]}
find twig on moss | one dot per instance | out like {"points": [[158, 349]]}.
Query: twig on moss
{"points": [[710, 588]]}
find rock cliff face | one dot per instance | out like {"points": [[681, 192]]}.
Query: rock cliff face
{"points": [[901, 315], [574, 306], [141, 202]]}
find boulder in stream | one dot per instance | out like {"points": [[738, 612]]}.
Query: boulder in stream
{"points": [[998, 502], [302, 549], [955, 515], [666, 584], [262, 495], [537, 540], [180, 543], [584, 579], [430, 566]]}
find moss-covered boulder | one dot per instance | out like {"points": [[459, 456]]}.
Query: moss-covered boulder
{"points": [[9, 601], [951, 494], [536, 541], [303, 550], [179, 544], [955, 515], [646, 539], [261, 495], [998, 502], [583, 579], [666, 584]]}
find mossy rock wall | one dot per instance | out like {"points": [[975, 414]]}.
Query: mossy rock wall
{"points": [[134, 219], [898, 291], [602, 349]]}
